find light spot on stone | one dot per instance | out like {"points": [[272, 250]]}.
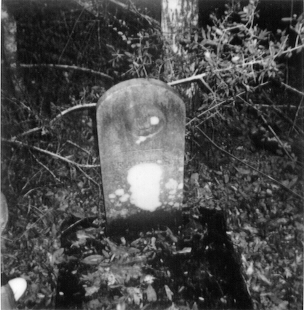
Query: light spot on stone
{"points": [[144, 180], [171, 184], [180, 186], [119, 192], [112, 196], [124, 198], [154, 120], [141, 139], [181, 169], [124, 212]]}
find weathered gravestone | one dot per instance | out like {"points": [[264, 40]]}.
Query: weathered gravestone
{"points": [[141, 130]]}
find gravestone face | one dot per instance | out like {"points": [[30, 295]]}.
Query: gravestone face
{"points": [[141, 132]]}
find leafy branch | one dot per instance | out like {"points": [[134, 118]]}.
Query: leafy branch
{"points": [[243, 65]]}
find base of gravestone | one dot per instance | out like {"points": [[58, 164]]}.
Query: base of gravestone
{"points": [[135, 225], [210, 275]]}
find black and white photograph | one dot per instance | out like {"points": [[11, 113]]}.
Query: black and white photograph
{"points": [[152, 154]]}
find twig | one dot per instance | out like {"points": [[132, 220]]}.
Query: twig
{"points": [[49, 153], [84, 3], [46, 168], [70, 35], [251, 167], [71, 109], [87, 176], [269, 127], [149, 19], [197, 117], [187, 80], [290, 50], [79, 147], [67, 68], [208, 87], [273, 107], [293, 89], [297, 113], [276, 137]]}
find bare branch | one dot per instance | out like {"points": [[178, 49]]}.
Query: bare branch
{"points": [[58, 116], [130, 8], [45, 167], [71, 109], [79, 147], [49, 153], [187, 80], [87, 176], [293, 89], [67, 68]]}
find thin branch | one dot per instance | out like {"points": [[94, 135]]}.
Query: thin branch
{"points": [[267, 106], [66, 67], [70, 36], [293, 89], [276, 137], [251, 167], [58, 116], [187, 80], [197, 117], [87, 176], [290, 50], [269, 127], [150, 20], [46, 168], [297, 113], [49, 153], [71, 109], [79, 147]]}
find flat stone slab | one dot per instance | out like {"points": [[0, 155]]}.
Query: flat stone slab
{"points": [[141, 132]]}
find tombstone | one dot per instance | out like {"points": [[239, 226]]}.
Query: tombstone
{"points": [[141, 132]]}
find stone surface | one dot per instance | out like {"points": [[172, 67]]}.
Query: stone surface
{"points": [[141, 132]]}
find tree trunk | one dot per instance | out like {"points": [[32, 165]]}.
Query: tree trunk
{"points": [[10, 75], [178, 17]]}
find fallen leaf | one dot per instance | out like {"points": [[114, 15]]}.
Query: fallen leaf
{"points": [[135, 294], [263, 278], [92, 260], [91, 290], [242, 171], [287, 272], [168, 292], [194, 179], [151, 294]]}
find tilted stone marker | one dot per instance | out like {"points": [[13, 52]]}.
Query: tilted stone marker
{"points": [[141, 132]]}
